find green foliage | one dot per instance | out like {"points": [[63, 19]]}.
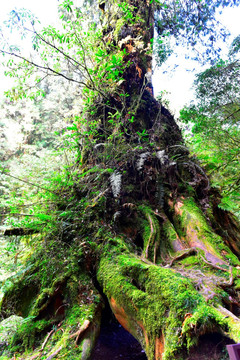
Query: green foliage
{"points": [[162, 49], [235, 46], [27, 203], [193, 22], [73, 45], [127, 11], [213, 128]]}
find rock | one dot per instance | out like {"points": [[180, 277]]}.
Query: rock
{"points": [[8, 327]]}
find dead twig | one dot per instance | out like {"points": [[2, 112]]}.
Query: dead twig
{"points": [[227, 313]]}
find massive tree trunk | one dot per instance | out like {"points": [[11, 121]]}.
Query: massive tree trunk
{"points": [[148, 239]]}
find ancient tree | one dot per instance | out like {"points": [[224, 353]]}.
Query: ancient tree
{"points": [[139, 228]]}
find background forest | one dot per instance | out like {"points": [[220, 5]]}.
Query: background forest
{"points": [[44, 124]]}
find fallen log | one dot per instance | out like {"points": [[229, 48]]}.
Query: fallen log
{"points": [[19, 232]]}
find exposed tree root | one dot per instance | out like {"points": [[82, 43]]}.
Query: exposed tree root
{"points": [[151, 236], [194, 251], [81, 331], [225, 284], [54, 354], [191, 251], [130, 285], [165, 308], [46, 340]]}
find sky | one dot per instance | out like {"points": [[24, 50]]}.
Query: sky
{"points": [[46, 10], [178, 84]]}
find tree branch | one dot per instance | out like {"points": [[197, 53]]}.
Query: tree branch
{"points": [[47, 68], [25, 181]]}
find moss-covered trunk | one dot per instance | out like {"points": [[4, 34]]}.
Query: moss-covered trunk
{"points": [[147, 235]]}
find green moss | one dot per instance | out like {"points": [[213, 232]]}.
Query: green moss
{"points": [[151, 232], [190, 261], [208, 319], [54, 280], [153, 295], [237, 284], [82, 303], [193, 226], [26, 335], [19, 294], [118, 26], [170, 237]]}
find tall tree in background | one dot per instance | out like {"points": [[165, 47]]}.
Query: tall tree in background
{"points": [[214, 117], [136, 225]]}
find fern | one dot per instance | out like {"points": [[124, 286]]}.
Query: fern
{"points": [[115, 180]]}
